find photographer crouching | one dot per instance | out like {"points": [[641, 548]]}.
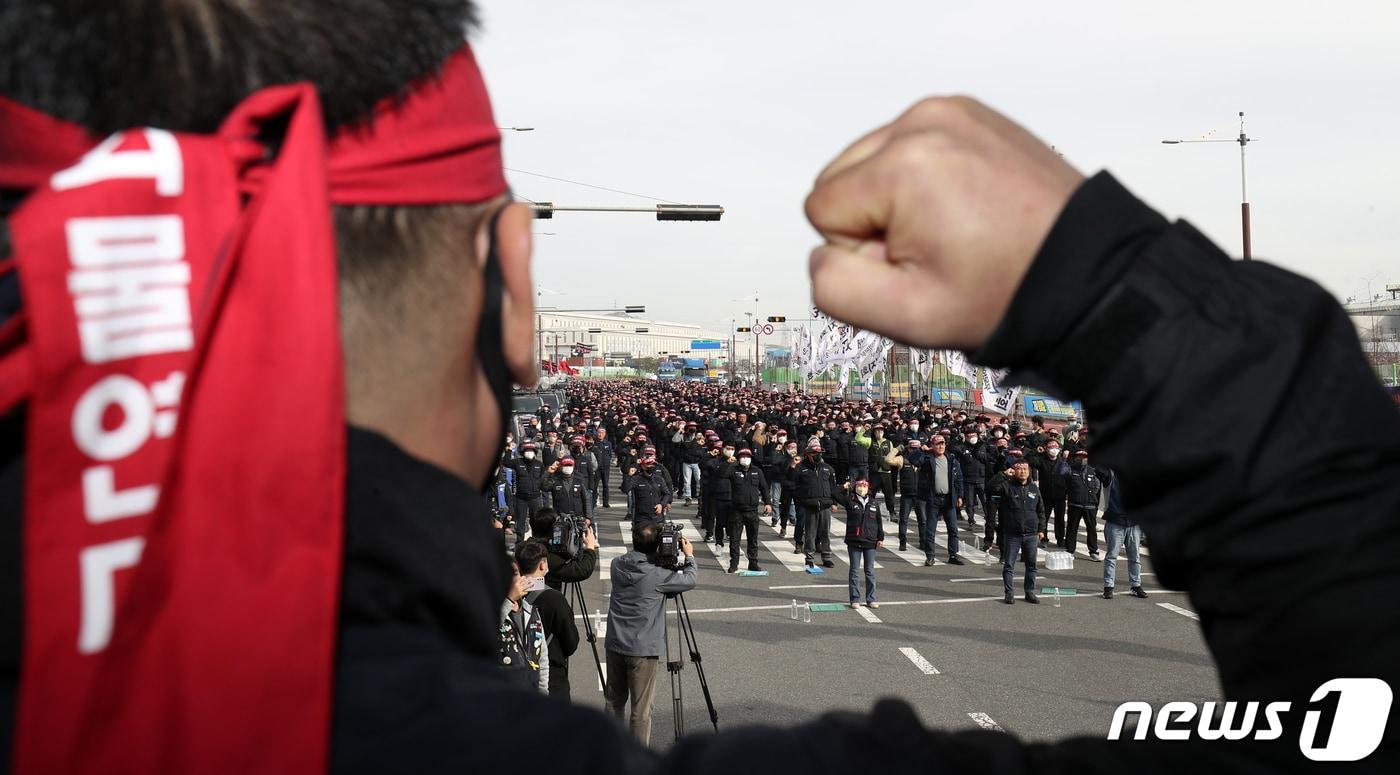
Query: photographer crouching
{"points": [[661, 563]]}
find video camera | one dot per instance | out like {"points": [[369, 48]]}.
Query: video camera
{"points": [[668, 546], [567, 538]]}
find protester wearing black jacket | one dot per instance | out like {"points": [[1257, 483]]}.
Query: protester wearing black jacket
{"points": [[865, 532], [650, 490], [815, 490], [1022, 527], [748, 490], [1082, 488]]}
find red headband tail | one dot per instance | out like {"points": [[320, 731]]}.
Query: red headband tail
{"points": [[185, 457]]}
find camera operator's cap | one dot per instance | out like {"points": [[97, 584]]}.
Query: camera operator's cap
{"points": [[1081, 453], [859, 482], [568, 461]]}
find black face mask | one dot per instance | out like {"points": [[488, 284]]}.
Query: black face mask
{"points": [[490, 348]]}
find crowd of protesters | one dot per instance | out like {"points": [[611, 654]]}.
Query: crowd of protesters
{"points": [[739, 455]]}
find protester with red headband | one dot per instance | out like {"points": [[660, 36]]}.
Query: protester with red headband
{"points": [[217, 576]]}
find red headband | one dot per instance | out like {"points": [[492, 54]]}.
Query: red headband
{"points": [[181, 599]]}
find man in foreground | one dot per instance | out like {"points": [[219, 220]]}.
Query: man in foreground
{"points": [[950, 227]]}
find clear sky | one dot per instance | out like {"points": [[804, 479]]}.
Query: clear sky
{"points": [[741, 104]]}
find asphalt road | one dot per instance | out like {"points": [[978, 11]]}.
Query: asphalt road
{"points": [[942, 640]]}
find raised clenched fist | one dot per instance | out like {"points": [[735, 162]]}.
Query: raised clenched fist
{"points": [[931, 222]]}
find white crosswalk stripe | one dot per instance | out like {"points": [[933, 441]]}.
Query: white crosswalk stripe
{"points": [[783, 551]]}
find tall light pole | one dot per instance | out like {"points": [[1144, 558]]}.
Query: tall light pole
{"points": [[1243, 140]]}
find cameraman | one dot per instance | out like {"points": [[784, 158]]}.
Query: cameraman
{"points": [[637, 621], [564, 569]]}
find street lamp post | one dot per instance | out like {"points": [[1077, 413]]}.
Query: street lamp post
{"points": [[1243, 140]]}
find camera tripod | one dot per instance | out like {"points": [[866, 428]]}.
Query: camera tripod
{"points": [[685, 630], [576, 598]]}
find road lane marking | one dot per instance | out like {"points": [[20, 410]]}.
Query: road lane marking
{"points": [[918, 661], [1179, 610], [868, 615], [985, 721], [886, 603], [810, 586], [782, 550]]}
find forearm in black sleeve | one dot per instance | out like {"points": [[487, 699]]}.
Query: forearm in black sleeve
{"points": [[580, 568], [1252, 441]]}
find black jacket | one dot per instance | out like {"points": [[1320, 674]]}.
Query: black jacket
{"points": [[570, 493], [1083, 486], [529, 478], [559, 626], [815, 484], [1022, 508], [565, 570], [648, 490], [748, 487], [715, 474], [864, 528]]}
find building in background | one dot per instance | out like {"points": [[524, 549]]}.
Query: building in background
{"points": [[619, 334]]}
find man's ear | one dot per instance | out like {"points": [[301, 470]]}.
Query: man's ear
{"points": [[514, 244]]}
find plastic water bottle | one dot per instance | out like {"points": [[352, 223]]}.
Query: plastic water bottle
{"points": [[794, 609], [807, 614], [600, 625], [1057, 597]]}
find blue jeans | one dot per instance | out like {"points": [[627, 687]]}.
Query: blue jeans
{"points": [[946, 508], [690, 474], [1026, 546], [920, 509], [1118, 535], [857, 555], [775, 494]]}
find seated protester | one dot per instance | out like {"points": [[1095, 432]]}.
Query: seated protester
{"points": [[560, 632], [523, 651], [564, 569], [865, 533]]}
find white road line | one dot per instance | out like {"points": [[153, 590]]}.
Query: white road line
{"points": [[811, 586], [868, 615], [888, 603], [1179, 610], [988, 578], [696, 538], [783, 551], [918, 661], [985, 721], [603, 677]]}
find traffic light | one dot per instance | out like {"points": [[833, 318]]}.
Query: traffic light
{"points": [[777, 319], [744, 330]]}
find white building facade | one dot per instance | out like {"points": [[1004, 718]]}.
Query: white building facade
{"points": [[618, 334]]}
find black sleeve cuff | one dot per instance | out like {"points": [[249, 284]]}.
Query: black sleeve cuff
{"points": [[1091, 245]]}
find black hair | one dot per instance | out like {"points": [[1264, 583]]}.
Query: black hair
{"points": [[183, 65], [542, 524], [529, 555], [646, 536]]}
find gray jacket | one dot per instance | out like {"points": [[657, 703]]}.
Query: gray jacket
{"points": [[637, 608]]}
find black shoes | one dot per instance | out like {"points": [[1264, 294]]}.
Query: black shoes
{"points": [[956, 560], [831, 564], [733, 566], [754, 566], [709, 536], [928, 563], [1031, 598], [903, 547], [1137, 592], [1009, 599], [1108, 593], [1094, 557]]}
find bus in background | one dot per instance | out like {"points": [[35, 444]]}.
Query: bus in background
{"points": [[666, 372]]}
